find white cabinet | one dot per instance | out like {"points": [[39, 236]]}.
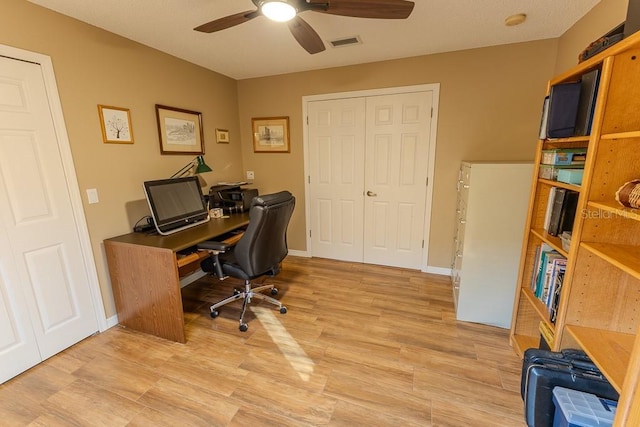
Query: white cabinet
{"points": [[490, 216]]}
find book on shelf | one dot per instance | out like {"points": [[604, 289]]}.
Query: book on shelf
{"points": [[559, 265], [587, 102], [544, 119], [540, 249], [547, 216], [568, 212], [557, 290], [563, 211], [544, 279], [546, 333], [547, 274]]}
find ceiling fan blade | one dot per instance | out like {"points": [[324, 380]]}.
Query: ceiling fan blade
{"points": [[377, 9], [305, 35], [227, 21]]}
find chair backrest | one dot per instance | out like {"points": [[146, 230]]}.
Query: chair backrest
{"points": [[264, 244]]}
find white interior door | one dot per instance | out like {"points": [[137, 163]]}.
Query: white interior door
{"points": [[396, 155], [44, 284], [377, 145], [336, 163], [18, 347]]}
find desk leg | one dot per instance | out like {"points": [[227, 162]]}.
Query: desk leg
{"points": [[146, 289]]}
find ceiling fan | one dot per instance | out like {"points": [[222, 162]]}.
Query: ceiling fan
{"points": [[288, 11]]}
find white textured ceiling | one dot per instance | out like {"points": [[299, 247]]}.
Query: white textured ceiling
{"points": [[261, 47]]}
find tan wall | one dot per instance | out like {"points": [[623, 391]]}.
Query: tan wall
{"points": [[95, 67], [490, 101], [489, 110], [604, 17]]}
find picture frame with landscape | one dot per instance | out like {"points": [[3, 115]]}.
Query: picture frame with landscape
{"points": [[270, 135], [180, 130]]}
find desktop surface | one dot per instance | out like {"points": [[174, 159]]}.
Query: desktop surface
{"points": [[186, 238]]}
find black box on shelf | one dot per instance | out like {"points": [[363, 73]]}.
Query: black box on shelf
{"points": [[563, 109], [587, 103]]}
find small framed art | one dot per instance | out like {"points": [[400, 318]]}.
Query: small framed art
{"points": [[116, 124], [270, 134], [180, 130], [222, 136]]}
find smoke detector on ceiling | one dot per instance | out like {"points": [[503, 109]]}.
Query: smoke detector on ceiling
{"points": [[347, 41]]}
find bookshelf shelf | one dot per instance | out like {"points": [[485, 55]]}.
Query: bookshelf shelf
{"points": [[572, 140], [611, 351], [600, 293], [615, 209], [571, 187], [539, 307], [553, 241], [625, 257], [622, 135], [523, 342]]}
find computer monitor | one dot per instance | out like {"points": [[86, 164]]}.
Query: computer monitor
{"points": [[176, 204]]}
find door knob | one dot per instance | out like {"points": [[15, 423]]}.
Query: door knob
{"points": [[371, 194]]}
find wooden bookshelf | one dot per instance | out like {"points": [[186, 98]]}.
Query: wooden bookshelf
{"points": [[610, 350], [598, 309]]}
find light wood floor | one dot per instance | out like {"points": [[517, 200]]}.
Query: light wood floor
{"points": [[360, 346]]}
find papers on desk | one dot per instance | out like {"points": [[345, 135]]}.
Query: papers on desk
{"points": [[233, 183]]}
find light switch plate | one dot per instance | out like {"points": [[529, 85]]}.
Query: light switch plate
{"points": [[250, 175], [92, 195]]}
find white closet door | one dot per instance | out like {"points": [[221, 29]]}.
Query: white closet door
{"points": [[42, 264], [18, 347], [336, 165], [396, 159]]}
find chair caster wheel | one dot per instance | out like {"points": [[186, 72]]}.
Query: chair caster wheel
{"points": [[283, 310], [214, 314], [274, 291], [243, 327], [235, 291]]}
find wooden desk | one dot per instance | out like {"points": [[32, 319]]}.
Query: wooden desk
{"points": [[145, 276]]}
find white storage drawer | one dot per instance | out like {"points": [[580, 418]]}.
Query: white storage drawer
{"points": [[490, 216]]}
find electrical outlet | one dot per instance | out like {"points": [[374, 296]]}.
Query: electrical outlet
{"points": [[250, 175]]}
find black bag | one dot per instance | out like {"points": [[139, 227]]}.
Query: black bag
{"points": [[542, 370]]}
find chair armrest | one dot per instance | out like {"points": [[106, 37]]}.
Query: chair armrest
{"points": [[215, 248], [210, 245]]}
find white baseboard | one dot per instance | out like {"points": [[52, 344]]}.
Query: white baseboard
{"points": [[439, 270], [303, 254], [432, 270], [111, 322]]}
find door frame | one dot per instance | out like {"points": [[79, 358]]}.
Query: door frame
{"points": [[55, 106], [431, 87]]}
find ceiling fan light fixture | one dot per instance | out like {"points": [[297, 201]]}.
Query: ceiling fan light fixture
{"points": [[279, 11], [516, 19]]}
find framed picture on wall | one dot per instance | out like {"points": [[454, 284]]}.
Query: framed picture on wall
{"points": [[180, 130], [270, 134], [222, 136], [116, 124]]}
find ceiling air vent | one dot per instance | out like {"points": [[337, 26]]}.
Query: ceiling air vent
{"points": [[346, 41]]}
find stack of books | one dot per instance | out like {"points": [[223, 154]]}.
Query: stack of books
{"points": [[547, 278], [561, 210]]}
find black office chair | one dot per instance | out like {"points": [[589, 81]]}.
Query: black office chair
{"points": [[259, 251]]}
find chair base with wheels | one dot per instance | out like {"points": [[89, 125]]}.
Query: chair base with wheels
{"points": [[246, 297], [258, 253]]}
